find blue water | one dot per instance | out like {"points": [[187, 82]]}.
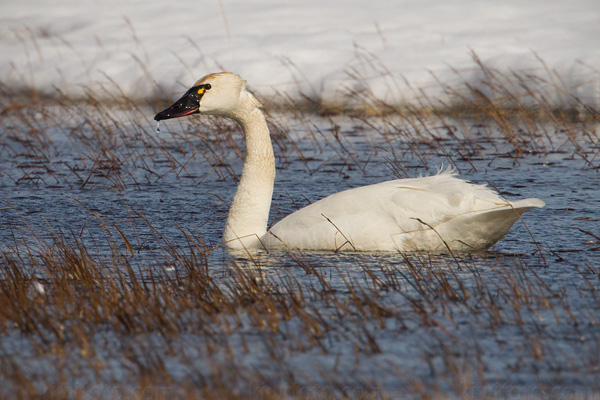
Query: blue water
{"points": [[67, 178]]}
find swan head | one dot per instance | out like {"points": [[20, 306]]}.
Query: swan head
{"points": [[221, 93]]}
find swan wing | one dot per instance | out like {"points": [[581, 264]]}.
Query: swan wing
{"points": [[404, 214]]}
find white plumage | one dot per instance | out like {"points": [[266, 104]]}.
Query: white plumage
{"points": [[400, 215], [420, 214]]}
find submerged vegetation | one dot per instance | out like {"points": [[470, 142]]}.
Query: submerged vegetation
{"points": [[113, 283]]}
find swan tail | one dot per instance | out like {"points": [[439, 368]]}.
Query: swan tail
{"points": [[527, 204], [483, 229]]}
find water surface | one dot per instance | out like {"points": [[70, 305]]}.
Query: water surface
{"points": [[127, 192]]}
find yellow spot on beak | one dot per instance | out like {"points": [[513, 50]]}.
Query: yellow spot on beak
{"points": [[201, 90]]}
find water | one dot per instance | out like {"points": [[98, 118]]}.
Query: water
{"points": [[124, 189], [176, 183]]}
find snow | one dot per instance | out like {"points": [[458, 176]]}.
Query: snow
{"points": [[322, 49]]}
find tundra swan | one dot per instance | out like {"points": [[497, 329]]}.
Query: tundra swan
{"points": [[421, 214]]}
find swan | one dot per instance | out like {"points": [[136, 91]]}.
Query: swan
{"points": [[434, 213]]}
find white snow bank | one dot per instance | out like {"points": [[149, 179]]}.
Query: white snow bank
{"points": [[324, 49]]}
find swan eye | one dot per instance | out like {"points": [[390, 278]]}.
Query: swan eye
{"points": [[202, 88]]}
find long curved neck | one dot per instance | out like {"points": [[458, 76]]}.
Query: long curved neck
{"points": [[249, 211]]}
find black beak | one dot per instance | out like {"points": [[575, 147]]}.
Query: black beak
{"points": [[188, 104]]}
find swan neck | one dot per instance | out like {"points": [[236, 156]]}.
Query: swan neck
{"points": [[249, 211]]}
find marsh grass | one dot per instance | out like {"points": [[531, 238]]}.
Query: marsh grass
{"points": [[182, 328], [123, 305]]}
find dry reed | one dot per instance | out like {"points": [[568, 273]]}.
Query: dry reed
{"points": [[125, 306]]}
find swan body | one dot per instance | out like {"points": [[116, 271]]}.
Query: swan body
{"points": [[400, 215], [433, 213]]}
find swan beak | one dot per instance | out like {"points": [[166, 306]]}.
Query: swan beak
{"points": [[186, 105]]}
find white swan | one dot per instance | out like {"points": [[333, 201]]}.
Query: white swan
{"points": [[430, 213]]}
